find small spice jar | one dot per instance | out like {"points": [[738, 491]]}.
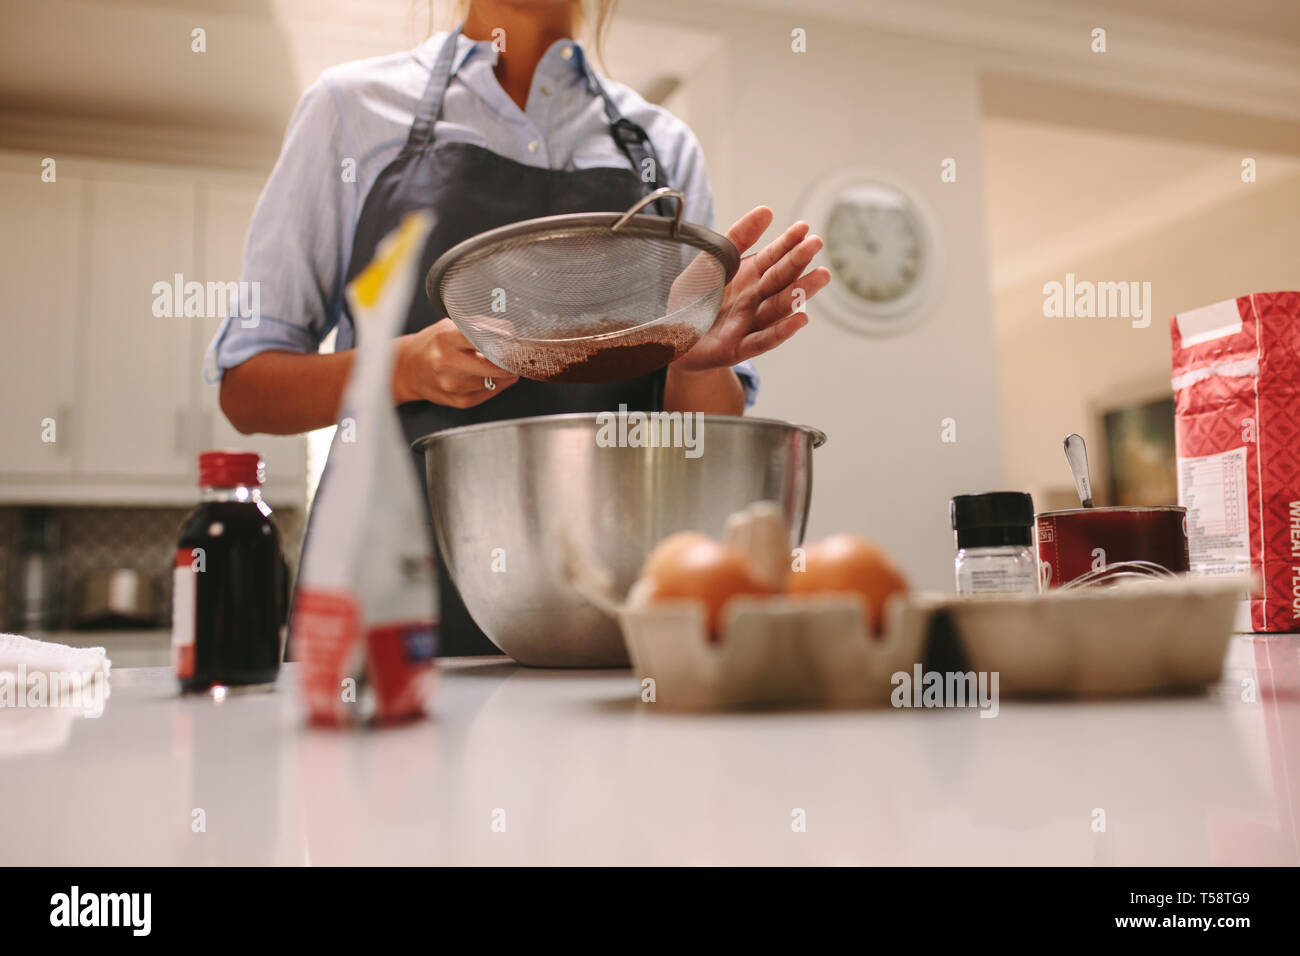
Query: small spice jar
{"points": [[995, 535], [230, 581]]}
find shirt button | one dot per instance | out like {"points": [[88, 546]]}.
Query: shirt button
{"points": [[532, 147], [546, 91], [566, 52]]}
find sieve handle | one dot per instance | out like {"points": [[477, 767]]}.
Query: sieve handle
{"points": [[646, 200]]}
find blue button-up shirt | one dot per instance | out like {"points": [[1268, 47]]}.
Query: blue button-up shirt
{"points": [[353, 121]]}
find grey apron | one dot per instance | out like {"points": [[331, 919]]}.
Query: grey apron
{"points": [[470, 189]]}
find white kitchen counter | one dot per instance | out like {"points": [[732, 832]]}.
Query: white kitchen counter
{"points": [[581, 772]]}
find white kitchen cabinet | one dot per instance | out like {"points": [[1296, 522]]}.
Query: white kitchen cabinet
{"points": [[224, 210], [138, 414], [83, 347], [39, 235]]}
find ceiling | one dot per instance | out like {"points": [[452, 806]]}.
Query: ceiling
{"points": [[1055, 193], [130, 60], [1273, 20], [1277, 21]]}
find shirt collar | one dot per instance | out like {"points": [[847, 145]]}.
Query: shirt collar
{"points": [[466, 49], [569, 54]]}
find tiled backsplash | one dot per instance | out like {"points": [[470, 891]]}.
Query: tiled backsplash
{"points": [[94, 539]]}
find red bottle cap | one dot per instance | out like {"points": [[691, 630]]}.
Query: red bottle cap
{"points": [[226, 469]]}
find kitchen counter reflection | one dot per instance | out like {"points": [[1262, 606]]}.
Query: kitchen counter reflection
{"points": [[527, 766]]}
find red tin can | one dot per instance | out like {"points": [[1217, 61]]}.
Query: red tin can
{"points": [[1075, 542]]}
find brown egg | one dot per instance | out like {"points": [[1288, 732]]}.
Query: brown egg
{"points": [[693, 565], [668, 553], [846, 563]]}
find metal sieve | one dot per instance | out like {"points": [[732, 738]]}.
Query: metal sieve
{"points": [[586, 297]]}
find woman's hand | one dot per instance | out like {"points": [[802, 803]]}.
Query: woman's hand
{"points": [[758, 304], [438, 364]]}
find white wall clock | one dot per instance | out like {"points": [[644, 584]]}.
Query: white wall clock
{"points": [[882, 247]]}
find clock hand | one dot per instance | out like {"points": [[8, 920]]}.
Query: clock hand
{"points": [[864, 233]]}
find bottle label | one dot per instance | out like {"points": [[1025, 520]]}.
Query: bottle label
{"points": [[184, 608], [1008, 578]]}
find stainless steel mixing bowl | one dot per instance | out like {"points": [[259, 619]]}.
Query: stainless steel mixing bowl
{"points": [[502, 493]]}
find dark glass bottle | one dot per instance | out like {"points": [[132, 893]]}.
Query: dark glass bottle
{"points": [[230, 582]]}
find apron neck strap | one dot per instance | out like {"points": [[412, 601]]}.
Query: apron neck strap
{"points": [[430, 105], [630, 138], [635, 144]]}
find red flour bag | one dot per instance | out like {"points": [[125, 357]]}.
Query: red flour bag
{"points": [[1236, 379], [365, 614]]}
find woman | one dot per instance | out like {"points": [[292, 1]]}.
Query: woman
{"points": [[500, 121]]}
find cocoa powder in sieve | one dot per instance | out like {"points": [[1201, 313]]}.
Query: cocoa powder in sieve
{"points": [[637, 353]]}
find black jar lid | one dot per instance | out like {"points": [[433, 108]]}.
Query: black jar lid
{"points": [[992, 519]]}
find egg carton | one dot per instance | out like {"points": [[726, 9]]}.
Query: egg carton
{"points": [[1130, 639], [773, 652], [1133, 638]]}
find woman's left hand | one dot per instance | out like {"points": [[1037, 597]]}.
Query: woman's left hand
{"points": [[758, 304]]}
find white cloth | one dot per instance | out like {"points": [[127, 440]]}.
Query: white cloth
{"points": [[46, 677], [47, 656]]}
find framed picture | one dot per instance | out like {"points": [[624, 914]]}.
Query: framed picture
{"points": [[1138, 466]]}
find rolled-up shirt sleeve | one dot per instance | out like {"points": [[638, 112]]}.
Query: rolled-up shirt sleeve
{"points": [[293, 256], [748, 376]]}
